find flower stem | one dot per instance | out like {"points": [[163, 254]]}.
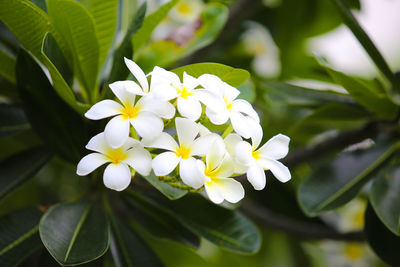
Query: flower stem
{"points": [[227, 131]]}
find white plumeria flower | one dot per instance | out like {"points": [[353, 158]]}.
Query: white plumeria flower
{"points": [[168, 85], [243, 117], [264, 158], [146, 123], [182, 154], [117, 175], [230, 143], [216, 172]]}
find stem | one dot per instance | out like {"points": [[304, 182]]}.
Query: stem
{"points": [[227, 131], [366, 42]]}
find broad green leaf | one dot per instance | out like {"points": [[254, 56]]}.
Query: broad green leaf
{"points": [[56, 64], [41, 4], [12, 119], [64, 130], [157, 220], [30, 30], [18, 168], [18, 142], [382, 241], [232, 76], [128, 9], [339, 180], [77, 28], [385, 197], [364, 94], [104, 13], [8, 90], [225, 228], [75, 233], [150, 23], [128, 248], [119, 71], [7, 66], [169, 191], [165, 52], [19, 236]]}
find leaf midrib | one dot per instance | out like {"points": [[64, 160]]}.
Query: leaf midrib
{"points": [[20, 240]]}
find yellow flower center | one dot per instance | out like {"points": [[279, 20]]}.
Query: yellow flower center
{"points": [[183, 152], [210, 174], [353, 251], [256, 154], [129, 112], [116, 155], [359, 219], [228, 104], [184, 8], [184, 92]]}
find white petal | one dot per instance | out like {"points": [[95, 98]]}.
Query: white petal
{"points": [[226, 168], [189, 81], [90, 162], [230, 142], [230, 189], [123, 94], [163, 141], [243, 153], [117, 176], [213, 192], [240, 105], [216, 154], [139, 159], [256, 176], [126, 87], [165, 163], [164, 91], [243, 125], [104, 109], [161, 76], [203, 130], [256, 136], [280, 171], [202, 144], [130, 142], [212, 83], [188, 170], [189, 107], [211, 100], [138, 73], [217, 118], [187, 130], [161, 108], [147, 125], [117, 131], [276, 148], [229, 92], [201, 167], [98, 143]]}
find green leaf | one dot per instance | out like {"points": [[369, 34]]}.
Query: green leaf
{"points": [[232, 76], [7, 66], [58, 68], [150, 23], [382, 241], [19, 236], [364, 94], [75, 233], [339, 180], [77, 28], [104, 13], [18, 168], [56, 123], [385, 197], [167, 190], [225, 228], [119, 71], [128, 248], [158, 221], [12, 119]]}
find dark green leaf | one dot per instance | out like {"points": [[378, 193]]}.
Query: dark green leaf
{"points": [[7, 66], [339, 180], [170, 192], [19, 236], [77, 28], [75, 233], [12, 119], [232, 76], [158, 221], [18, 168], [385, 197], [383, 242], [54, 121]]}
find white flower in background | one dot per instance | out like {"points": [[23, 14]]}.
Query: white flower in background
{"points": [[258, 42], [146, 123], [264, 158], [216, 172], [168, 86], [243, 117], [117, 175], [186, 11], [182, 153]]}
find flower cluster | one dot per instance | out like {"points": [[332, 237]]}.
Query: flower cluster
{"points": [[196, 156]]}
